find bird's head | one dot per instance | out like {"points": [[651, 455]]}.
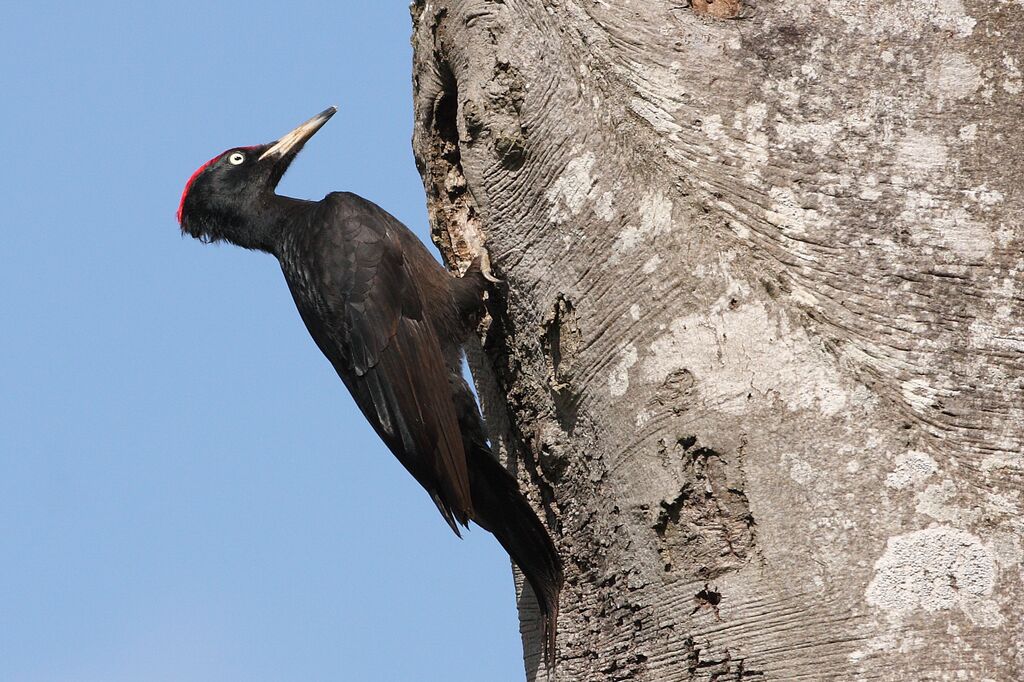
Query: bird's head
{"points": [[229, 196]]}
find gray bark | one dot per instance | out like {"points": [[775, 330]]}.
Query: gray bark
{"points": [[759, 357]]}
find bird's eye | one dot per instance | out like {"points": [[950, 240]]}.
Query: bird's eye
{"points": [[236, 159]]}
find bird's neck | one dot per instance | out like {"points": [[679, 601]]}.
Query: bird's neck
{"points": [[266, 226]]}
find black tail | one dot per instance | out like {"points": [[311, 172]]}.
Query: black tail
{"points": [[501, 509]]}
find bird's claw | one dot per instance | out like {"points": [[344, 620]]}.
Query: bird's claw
{"points": [[482, 263]]}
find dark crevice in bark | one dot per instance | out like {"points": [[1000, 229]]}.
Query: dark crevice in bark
{"points": [[717, 668], [562, 340], [454, 217], [707, 598], [445, 115], [707, 529]]}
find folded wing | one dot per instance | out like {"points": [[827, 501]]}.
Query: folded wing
{"points": [[387, 352]]}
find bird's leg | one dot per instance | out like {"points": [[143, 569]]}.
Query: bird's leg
{"points": [[470, 291]]}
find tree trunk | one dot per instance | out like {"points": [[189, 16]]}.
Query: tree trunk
{"points": [[758, 356]]}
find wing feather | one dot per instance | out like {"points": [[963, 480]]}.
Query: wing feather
{"points": [[372, 327]]}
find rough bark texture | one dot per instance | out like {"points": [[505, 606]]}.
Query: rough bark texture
{"points": [[759, 357]]}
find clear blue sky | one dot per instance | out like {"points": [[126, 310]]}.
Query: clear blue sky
{"points": [[186, 490]]}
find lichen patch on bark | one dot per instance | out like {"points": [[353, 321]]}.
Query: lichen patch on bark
{"points": [[572, 188], [932, 570], [911, 468], [717, 353]]}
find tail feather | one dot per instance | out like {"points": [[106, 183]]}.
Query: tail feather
{"points": [[502, 509]]}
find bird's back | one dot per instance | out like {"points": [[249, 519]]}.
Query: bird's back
{"points": [[358, 286], [387, 316]]}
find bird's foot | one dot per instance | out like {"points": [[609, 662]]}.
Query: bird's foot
{"points": [[482, 264]]}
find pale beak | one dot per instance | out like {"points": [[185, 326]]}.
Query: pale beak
{"points": [[293, 141]]}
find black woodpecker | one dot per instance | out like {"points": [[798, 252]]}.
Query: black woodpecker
{"points": [[392, 322]]}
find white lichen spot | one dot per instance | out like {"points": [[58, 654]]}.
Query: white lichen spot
{"points": [[985, 196], [869, 190], [853, 466], [820, 136], [786, 211], [713, 128], [960, 233], [912, 467], [634, 312], [909, 18], [1000, 504], [969, 132], [572, 188], [755, 115], [787, 90], [992, 333], [950, 14], [800, 471], [736, 289], [933, 569], [755, 155], [953, 76], [1004, 461], [983, 613], [1013, 83], [754, 148], [618, 380], [643, 417], [1005, 233], [884, 641], [605, 208], [939, 502], [792, 217], [655, 219], [934, 223], [1007, 548], [651, 265], [920, 154], [742, 352]]}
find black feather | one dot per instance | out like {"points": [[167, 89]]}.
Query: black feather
{"points": [[391, 321]]}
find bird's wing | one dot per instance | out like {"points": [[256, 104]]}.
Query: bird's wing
{"points": [[391, 357]]}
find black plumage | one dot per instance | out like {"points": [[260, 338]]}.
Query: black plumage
{"points": [[391, 321]]}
